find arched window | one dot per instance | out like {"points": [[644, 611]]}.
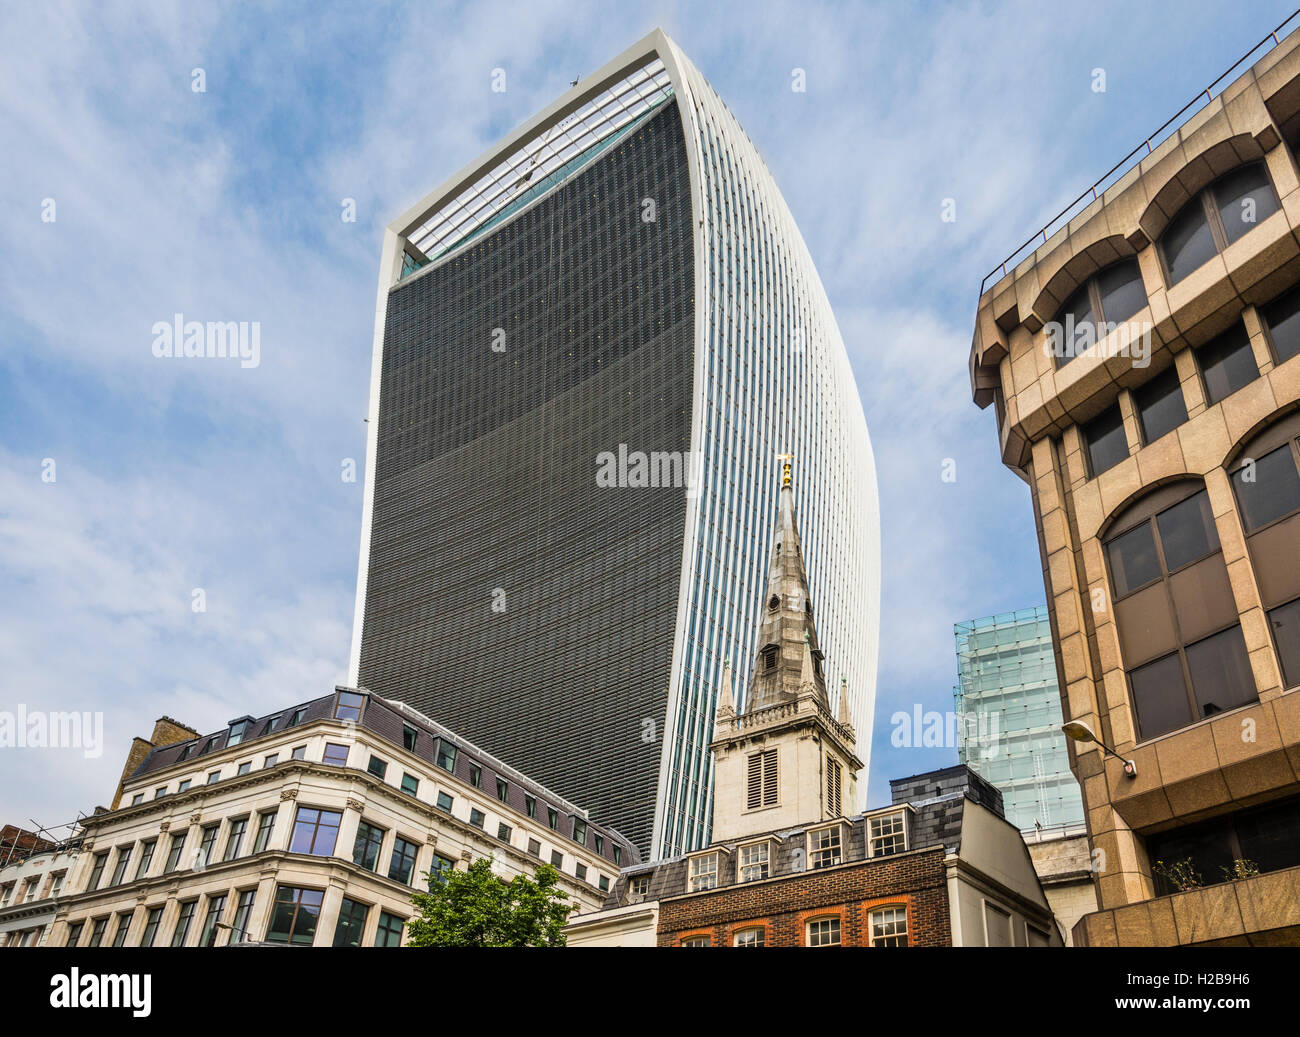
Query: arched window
{"points": [[888, 926], [1111, 296], [1266, 480], [1218, 215], [754, 937], [823, 932], [1177, 621]]}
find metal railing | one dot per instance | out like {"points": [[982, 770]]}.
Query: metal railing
{"points": [[1123, 165]]}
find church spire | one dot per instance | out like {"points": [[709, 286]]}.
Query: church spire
{"points": [[789, 661]]}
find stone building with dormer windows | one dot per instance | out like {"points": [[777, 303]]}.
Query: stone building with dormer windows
{"points": [[313, 826]]}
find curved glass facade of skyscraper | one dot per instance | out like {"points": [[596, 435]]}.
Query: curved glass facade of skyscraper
{"points": [[619, 278]]}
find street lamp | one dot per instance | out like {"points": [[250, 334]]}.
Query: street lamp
{"points": [[1081, 732]]}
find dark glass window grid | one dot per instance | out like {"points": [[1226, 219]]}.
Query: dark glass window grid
{"points": [[1204, 210]]}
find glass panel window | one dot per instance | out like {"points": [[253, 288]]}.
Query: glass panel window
{"points": [[754, 862], [557, 860], [336, 754], [244, 767], [243, 909], [1244, 199], [151, 927], [1285, 624], [235, 840], [530, 806], [174, 853], [580, 831], [552, 818], [1160, 696], [751, 938], [265, 826], [314, 831], [888, 835], [1075, 314], [300, 752], [409, 737], [389, 932], [237, 733], [476, 818], [824, 932], [208, 934], [123, 924], [1227, 363], [208, 842], [402, 866], [97, 931], [1188, 242], [446, 756], [1282, 316], [74, 934], [504, 831], [695, 941], [1160, 405], [1133, 560], [351, 923], [119, 870], [365, 850], [1221, 674], [271, 760], [1105, 440], [349, 706], [889, 927], [445, 802], [1187, 531], [704, 872], [183, 785], [1268, 489], [503, 789], [182, 931], [1122, 293], [410, 784], [146, 857], [377, 767], [442, 867], [825, 847], [97, 870], [476, 775], [294, 916]]}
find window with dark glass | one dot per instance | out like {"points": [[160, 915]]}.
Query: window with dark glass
{"points": [[74, 934], [182, 931], [97, 931], [244, 767], [214, 777], [446, 755], [295, 718], [336, 754], [265, 826], [299, 752], [1175, 612], [151, 927], [476, 775], [271, 760], [1266, 836], [557, 859], [348, 706], [410, 784], [1109, 297], [237, 732], [580, 831], [294, 915], [174, 853], [183, 785], [552, 817], [119, 869], [442, 867], [504, 831], [377, 767], [235, 838], [185, 752], [1160, 405], [1227, 363], [314, 831], [535, 847], [207, 843], [1219, 215], [208, 934], [476, 818], [580, 871], [365, 850], [599, 842], [409, 737], [123, 924], [618, 854], [97, 870], [1105, 441], [1284, 622], [146, 857], [402, 865], [243, 910], [351, 923], [530, 806], [444, 802], [1282, 319], [503, 789], [389, 931]]}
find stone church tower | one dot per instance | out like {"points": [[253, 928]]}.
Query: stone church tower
{"points": [[787, 760]]}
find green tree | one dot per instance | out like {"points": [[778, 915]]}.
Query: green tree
{"points": [[474, 908]]}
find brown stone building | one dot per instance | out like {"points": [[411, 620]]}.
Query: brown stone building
{"points": [[791, 864], [1144, 367]]}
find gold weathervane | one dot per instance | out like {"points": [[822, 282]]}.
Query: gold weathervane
{"points": [[787, 460]]}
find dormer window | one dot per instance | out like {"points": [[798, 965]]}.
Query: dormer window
{"points": [[348, 706], [185, 752], [237, 731], [888, 834], [755, 861], [704, 872], [825, 847]]}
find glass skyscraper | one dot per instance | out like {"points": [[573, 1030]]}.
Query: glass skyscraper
{"points": [[1009, 717], [591, 345]]}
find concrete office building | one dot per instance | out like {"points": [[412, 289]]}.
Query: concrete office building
{"points": [[1142, 356], [591, 344], [313, 826]]}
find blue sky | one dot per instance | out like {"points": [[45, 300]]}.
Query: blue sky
{"points": [[226, 205]]}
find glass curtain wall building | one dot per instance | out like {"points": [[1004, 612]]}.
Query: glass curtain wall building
{"points": [[1009, 717], [591, 345]]}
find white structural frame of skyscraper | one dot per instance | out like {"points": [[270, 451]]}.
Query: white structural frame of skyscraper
{"points": [[771, 376]]}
